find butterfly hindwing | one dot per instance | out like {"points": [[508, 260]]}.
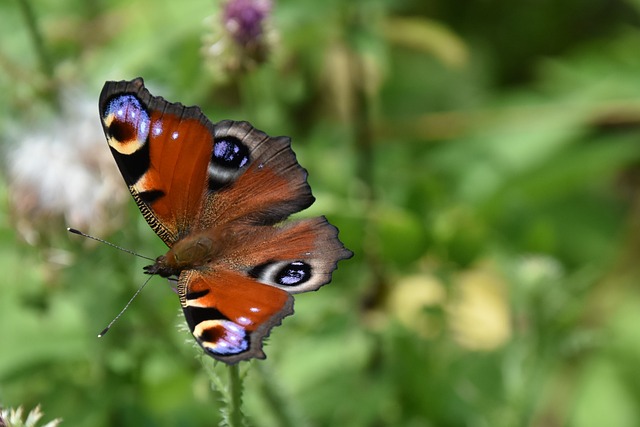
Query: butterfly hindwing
{"points": [[229, 314], [297, 256], [231, 306]]}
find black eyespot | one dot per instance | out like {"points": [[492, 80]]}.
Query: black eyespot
{"points": [[229, 152], [122, 131], [212, 334], [293, 274]]}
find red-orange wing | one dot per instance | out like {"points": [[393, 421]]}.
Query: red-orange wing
{"points": [[229, 314], [162, 150], [186, 173], [232, 303]]}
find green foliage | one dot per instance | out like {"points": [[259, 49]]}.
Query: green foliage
{"points": [[481, 159]]}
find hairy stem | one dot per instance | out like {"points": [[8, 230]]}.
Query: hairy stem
{"points": [[235, 397]]}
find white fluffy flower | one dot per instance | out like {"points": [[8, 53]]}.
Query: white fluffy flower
{"points": [[65, 171]]}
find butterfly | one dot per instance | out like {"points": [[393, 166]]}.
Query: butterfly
{"points": [[218, 196]]}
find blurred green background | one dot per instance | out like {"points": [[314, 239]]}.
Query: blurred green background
{"points": [[481, 158]]}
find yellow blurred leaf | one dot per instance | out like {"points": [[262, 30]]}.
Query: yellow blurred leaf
{"points": [[480, 315]]}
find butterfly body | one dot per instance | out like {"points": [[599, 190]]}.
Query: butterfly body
{"points": [[218, 195], [194, 251]]}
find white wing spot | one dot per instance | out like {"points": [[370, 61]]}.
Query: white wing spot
{"points": [[157, 128]]}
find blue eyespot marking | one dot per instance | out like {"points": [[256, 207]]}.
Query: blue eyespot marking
{"points": [[223, 337], [230, 153], [130, 120], [293, 274]]}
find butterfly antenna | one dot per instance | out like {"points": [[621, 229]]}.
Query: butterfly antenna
{"points": [[97, 239], [105, 330]]}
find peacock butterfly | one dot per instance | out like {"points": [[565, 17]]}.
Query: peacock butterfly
{"points": [[218, 195]]}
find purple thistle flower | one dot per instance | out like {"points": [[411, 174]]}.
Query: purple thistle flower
{"points": [[241, 37], [244, 20]]}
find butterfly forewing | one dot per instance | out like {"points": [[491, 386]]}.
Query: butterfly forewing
{"points": [[268, 188], [162, 150]]}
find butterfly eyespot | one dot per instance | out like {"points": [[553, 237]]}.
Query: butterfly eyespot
{"points": [[228, 158], [230, 153], [221, 337], [293, 274], [127, 124], [282, 273], [122, 131]]}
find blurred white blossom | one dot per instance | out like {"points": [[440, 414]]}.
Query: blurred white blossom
{"points": [[534, 269], [63, 174]]}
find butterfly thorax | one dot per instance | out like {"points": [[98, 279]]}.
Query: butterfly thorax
{"points": [[191, 252]]}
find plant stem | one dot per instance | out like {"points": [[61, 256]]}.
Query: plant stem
{"points": [[235, 396], [365, 137], [36, 38]]}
